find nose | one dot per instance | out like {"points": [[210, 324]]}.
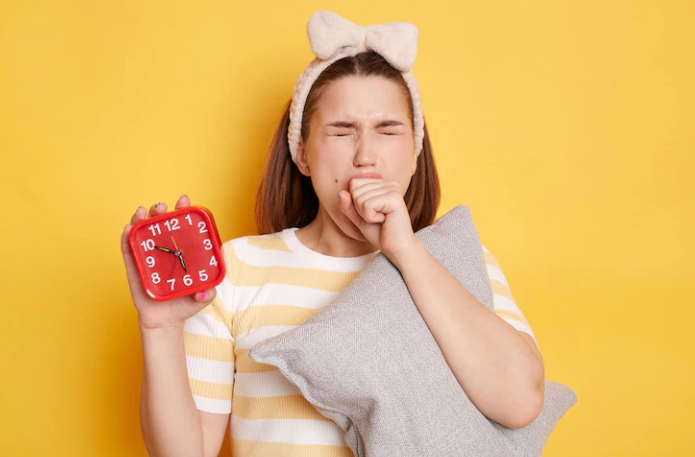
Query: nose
{"points": [[364, 151]]}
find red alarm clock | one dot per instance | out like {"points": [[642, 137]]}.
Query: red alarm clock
{"points": [[178, 253]]}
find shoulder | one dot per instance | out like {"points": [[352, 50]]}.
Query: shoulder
{"points": [[490, 260], [498, 280], [242, 248]]}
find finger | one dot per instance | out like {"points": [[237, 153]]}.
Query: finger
{"points": [[184, 202], [199, 303], [370, 204], [386, 186], [139, 215], [131, 268], [125, 247], [159, 208], [360, 195], [359, 190], [348, 208], [375, 209], [210, 295], [358, 182]]}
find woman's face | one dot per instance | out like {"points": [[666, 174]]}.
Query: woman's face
{"points": [[360, 125]]}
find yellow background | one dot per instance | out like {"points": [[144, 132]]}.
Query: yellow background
{"points": [[567, 127]]}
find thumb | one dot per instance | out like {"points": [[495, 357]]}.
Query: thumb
{"points": [[348, 208]]}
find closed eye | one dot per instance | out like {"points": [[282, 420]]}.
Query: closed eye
{"points": [[346, 134]]}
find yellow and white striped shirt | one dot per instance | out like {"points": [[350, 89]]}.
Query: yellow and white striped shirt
{"points": [[274, 283]]}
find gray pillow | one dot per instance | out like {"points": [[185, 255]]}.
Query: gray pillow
{"points": [[368, 361]]}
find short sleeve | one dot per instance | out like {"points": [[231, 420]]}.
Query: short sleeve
{"points": [[209, 344], [504, 304]]}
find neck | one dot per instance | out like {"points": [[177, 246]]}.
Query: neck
{"points": [[323, 235]]}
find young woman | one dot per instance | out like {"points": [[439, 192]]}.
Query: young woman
{"points": [[350, 174]]}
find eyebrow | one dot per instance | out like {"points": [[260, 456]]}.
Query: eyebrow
{"points": [[383, 123]]}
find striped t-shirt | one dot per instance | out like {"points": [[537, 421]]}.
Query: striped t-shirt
{"points": [[275, 283]]}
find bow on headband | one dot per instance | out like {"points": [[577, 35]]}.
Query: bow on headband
{"points": [[333, 37], [330, 34]]}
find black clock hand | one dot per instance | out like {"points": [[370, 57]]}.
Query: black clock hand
{"points": [[182, 262], [170, 251]]}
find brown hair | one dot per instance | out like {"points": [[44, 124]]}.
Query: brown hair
{"points": [[286, 198]]}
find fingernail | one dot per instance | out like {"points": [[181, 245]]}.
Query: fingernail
{"points": [[139, 208], [201, 295], [158, 204]]}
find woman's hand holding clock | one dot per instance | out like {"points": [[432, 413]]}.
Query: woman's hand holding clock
{"points": [[154, 314]]}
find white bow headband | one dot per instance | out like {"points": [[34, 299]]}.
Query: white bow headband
{"points": [[333, 37]]}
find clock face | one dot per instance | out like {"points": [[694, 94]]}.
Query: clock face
{"points": [[178, 253]]}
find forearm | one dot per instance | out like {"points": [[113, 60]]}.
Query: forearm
{"points": [[169, 419], [492, 362]]}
